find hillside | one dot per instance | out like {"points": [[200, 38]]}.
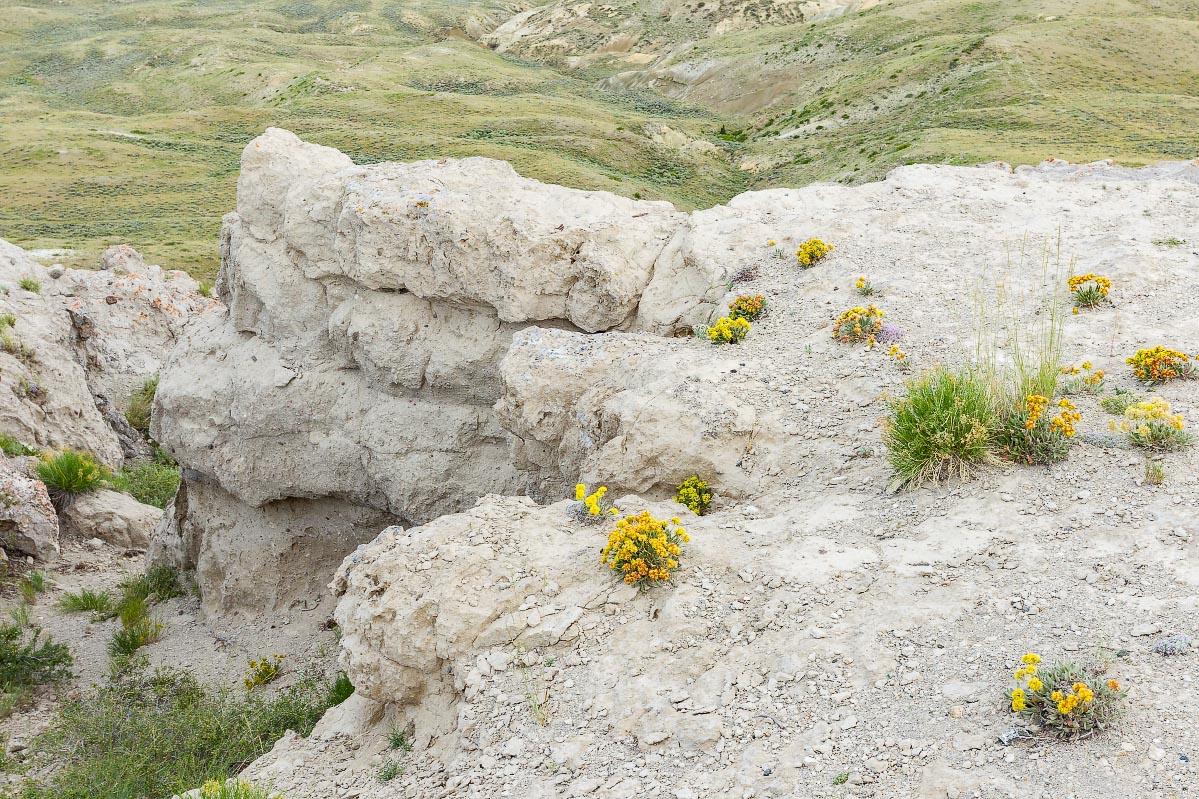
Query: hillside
{"points": [[122, 122]]}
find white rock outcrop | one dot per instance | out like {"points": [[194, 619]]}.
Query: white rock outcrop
{"points": [[111, 516], [28, 523]]}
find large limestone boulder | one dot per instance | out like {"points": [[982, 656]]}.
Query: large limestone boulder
{"points": [[28, 523], [111, 516], [369, 309]]}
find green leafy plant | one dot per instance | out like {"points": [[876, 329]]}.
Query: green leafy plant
{"points": [[1149, 424], [941, 429], [398, 739], [140, 403], [26, 660], [1120, 401], [1029, 435], [138, 628], [29, 284], [31, 585], [695, 494], [1065, 700], [148, 482], [340, 689], [15, 449], [389, 771]]}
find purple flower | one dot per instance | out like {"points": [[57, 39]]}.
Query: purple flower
{"points": [[890, 332]]}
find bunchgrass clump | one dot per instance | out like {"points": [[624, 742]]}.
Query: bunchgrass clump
{"points": [[30, 284], [695, 494], [151, 734], [340, 689], [134, 610], [1065, 700], [148, 482], [68, 474], [31, 585], [140, 402], [1029, 435], [1120, 401], [1150, 425], [941, 429], [87, 601], [1155, 473]]}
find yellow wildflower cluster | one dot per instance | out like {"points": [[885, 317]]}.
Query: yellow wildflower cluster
{"points": [[896, 353], [1062, 423], [747, 307], [1159, 365], [858, 324], [1090, 290], [695, 494], [864, 286], [643, 549], [1036, 405], [728, 330], [263, 671], [1059, 699], [232, 789], [1149, 424], [811, 251], [1082, 378], [594, 507]]}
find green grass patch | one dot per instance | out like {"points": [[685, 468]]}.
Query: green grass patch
{"points": [[140, 402], [86, 601], [150, 734], [70, 473], [148, 482], [13, 448]]}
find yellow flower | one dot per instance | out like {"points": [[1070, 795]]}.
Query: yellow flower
{"points": [[580, 490], [1035, 684], [770, 243]]}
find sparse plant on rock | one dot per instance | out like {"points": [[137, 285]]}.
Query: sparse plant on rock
{"points": [[812, 252], [1029, 435], [695, 494], [1155, 473], [593, 508], [643, 549], [140, 402], [940, 429], [1089, 290], [1161, 365], [1119, 401], [389, 771], [235, 789], [1149, 424], [1082, 379], [29, 284], [864, 287], [728, 331], [262, 671], [13, 448], [859, 325], [1065, 700], [899, 355], [1172, 645], [747, 307]]}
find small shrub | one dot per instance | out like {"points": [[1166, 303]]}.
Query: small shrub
{"points": [[27, 660], [695, 494], [1082, 379], [864, 287], [812, 252], [263, 671], [1089, 290], [85, 601], [140, 402], [70, 473], [340, 689], [747, 307], [1119, 402], [1150, 425], [644, 549], [29, 284], [1161, 365], [1029, 436], [941, 429], [31, 585], [234, 789], [389, 771], [398, 739], [859, 325], [158, 584], [133, 636], [1155, 473], [593, 508], [7, 320], [1065, 700], [148, 482], [728, 331], [15, 449]]}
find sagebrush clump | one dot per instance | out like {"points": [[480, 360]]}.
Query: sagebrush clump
{"points": [[1065, 699], [695, 494]]}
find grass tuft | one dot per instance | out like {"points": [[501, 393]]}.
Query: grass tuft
{"points": [[70, 473], [86, 601], [149, 482], [140, 403]]}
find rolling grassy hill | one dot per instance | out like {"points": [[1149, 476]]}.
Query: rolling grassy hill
{"points": [[123, 121]]}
